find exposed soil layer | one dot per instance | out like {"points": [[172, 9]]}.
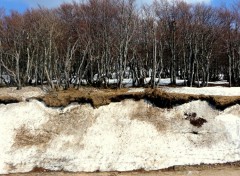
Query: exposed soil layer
{"points": [[8, 100], [100, 97], [158, 97], [168, 100], [96, 97]]}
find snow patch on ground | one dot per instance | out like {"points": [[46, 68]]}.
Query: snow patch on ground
{"points": [[129, 82], [221, 91], [23, 94], [136, 90], [121, 136]]}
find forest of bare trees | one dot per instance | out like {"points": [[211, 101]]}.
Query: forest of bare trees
{"points": [[98, 40]]}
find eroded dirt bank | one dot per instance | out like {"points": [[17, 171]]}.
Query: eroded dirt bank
{"points": [[158, 97], [162, 98]]}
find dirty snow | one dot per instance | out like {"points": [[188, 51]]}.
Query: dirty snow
{"points": [[117, 139]]}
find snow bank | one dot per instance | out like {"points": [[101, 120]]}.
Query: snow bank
{"points": [[118, 137], [221, 91], [23, 94]]}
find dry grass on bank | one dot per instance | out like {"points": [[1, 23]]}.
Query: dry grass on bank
{"points": [[96, 97], [164, 99], [5, 99], [100, 97], [222, 102], [160, 98]]}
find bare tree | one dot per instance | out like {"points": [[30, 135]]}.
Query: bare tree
{"points": [[126, 29]]}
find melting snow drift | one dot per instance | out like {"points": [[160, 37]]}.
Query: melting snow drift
{"points": [[123, 136]]}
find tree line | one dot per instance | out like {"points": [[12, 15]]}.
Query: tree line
{"points": [[97, 40]]}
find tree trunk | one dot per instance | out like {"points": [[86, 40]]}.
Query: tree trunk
{"points": [[230, 70], [154, 61], [18, 79]]}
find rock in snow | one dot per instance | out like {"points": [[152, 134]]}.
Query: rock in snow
{"points": [[121, 136]]}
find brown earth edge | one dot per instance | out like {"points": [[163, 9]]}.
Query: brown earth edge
{"points": [[100, 97], [201, 167]]}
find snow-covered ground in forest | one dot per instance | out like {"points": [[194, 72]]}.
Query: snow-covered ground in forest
{"points": [[221, 91], [163, 82], [122, 136], [129, 82], [215, 90]]}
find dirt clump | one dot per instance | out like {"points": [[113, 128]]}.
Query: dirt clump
{"points": [[198, 122], [194, 120]]}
